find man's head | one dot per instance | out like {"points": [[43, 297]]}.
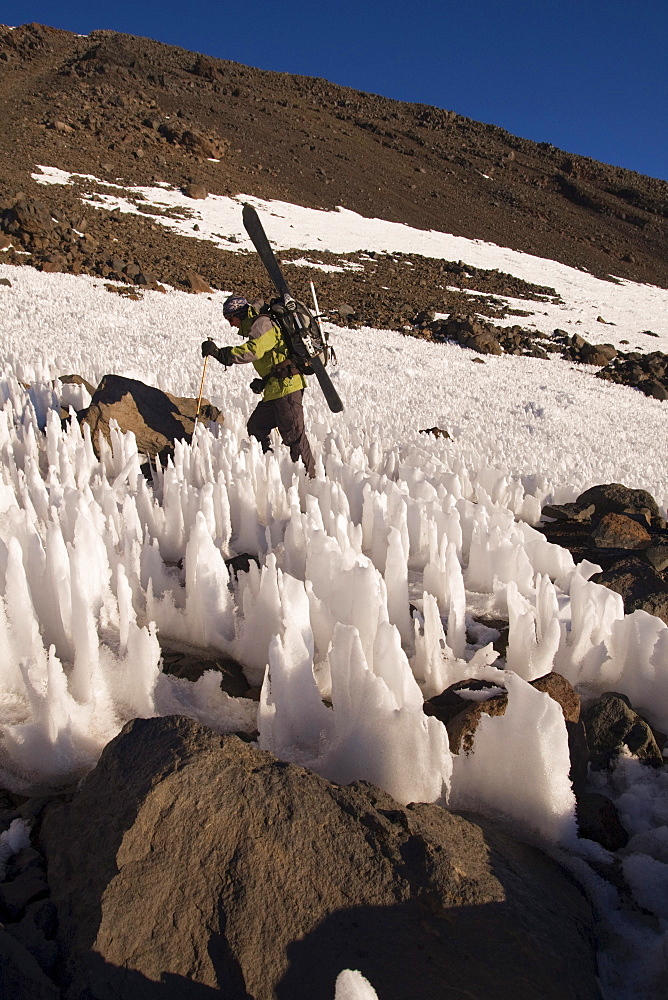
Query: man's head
{"points": [[235, 309]]}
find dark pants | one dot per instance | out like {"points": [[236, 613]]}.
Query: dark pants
{"points": [[287, 415]]}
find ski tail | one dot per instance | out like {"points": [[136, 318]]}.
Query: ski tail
{"points": [[324, 381]]}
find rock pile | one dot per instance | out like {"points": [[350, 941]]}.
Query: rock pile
{"points": [[486, 338], [647, 372], [596, 737], [622, 531], [573, 347], [66, 243], [115, 106]]}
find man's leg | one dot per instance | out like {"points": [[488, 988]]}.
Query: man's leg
{"points": [[261, 423], [290, 423]]}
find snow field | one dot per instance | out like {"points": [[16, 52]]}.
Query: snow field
{"points": [[97, 565], [627, 308], [90, 557], [547, 424]]}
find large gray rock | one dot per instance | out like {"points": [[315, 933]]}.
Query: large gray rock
{"points": [[155, 417], [203, 864], [611, 725]]}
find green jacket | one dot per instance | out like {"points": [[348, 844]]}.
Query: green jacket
{"points": [[265, 347]]}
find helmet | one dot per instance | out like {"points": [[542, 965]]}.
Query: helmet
{"points": [[235, 305]]}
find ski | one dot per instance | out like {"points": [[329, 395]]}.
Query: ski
{"points": [[255, 230]]}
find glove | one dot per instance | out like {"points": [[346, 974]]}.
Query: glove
{"points": [[209, 349], [224, 355], [257, 385]]}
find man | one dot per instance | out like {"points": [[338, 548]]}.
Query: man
{"points": [[280, 380]]}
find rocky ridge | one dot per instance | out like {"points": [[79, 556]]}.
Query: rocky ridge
{"points": [[132, 111], [116, 106]]}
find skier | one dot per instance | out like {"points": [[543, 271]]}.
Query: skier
{"points": [[281, 382]]}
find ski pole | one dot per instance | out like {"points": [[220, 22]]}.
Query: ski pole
{"points": [[315, 301], [201, 390]]}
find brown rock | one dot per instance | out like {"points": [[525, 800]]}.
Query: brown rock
{"points": [[77, 380], [197, 191], [612, 724], [461, 728], [599, 820], [569, 512], [619, 531], [561, 691], [156, 418], [657, 554], [616, 498], [196, 283], [639, 584], [190, 863], [436, 431], [595, 354]]}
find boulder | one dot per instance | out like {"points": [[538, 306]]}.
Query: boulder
{"points": [[561, 691], [196, 191], [640, 585], [657, 555], [449, 703], [462, 726], [156, 418], [21, 978], [619, 499], [77, 380], [599, 820], [568, 512], [656, 389], [619, 531], [191, 865], [611, 725], [461, 715], [196, 283], [598, 354]]}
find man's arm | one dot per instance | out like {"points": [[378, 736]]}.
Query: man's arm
{"points": [[263, 338]]}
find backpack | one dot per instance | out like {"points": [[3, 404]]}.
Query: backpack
{"points": [[303, 335]]}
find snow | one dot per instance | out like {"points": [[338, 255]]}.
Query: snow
{"points": [[12, 840], [631, 307], [351, 985], [97, 566]]}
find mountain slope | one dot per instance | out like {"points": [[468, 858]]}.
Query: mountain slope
{"points": [[118, 106]]}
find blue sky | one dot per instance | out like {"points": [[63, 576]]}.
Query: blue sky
{"points": [[589, 76]]}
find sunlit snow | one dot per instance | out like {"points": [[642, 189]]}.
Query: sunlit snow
{"points": [[99, 565]]}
